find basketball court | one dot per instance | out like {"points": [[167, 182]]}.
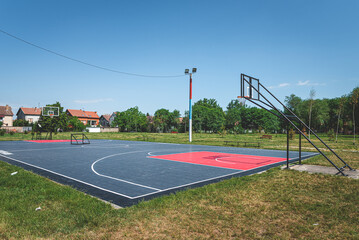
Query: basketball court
{"points": [[126, 172]]}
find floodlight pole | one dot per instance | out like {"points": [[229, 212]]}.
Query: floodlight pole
{"points": [[194, 70]]}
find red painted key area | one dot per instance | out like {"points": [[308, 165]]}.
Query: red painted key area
{"points": [[48, 141], [224, 160]]}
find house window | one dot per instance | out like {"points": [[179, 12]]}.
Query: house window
{"points": [[30, 120], [93, 123]]}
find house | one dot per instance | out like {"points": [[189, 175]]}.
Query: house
{"points": [[6, 115], [150, 119], [86, 117], [113, 115], [105, 120], [29, 114]]}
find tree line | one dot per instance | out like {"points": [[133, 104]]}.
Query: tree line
{"points": [[323, 115]]}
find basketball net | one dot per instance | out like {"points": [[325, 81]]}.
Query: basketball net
{"points": [[241, 100]]}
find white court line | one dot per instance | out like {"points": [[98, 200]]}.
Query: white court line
{"points": [[150, 153], [139, 196], [223, 161], [192, 183], [197, 164], [3, 152], [209, 179], [118, 179], [62, 175]]}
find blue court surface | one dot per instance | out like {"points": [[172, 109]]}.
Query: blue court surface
{"points": [[126, 172]]}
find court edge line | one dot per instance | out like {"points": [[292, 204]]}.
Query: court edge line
{"points": [[192, 183], [118, 179], [73, 147], [209, 179], [74, 179], [180, 186]]}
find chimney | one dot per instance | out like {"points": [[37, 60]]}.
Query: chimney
{"points": [[7, 108]]}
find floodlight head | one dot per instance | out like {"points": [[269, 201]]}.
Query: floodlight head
{"points": [[186, 71], [194, 70]]}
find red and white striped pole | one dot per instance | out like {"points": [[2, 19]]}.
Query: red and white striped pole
{"points": [[194, 70], [190, 107]]}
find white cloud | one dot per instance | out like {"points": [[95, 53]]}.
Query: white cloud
{"points": [[283, 85], [308, 83], [93, 101], [280, 85], [305, 83]]}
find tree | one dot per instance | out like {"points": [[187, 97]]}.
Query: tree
{"points": [[311, 101], [267, 121], [233, 116], [340, 107], [48, 124], [293, 102], [162, 119], [165, 120], [183, 125], [75, 125], [131, 120], [208, 116], [355, 97], [175, 119], [21, 123]]}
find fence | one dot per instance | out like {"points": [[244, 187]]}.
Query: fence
{"points": [[16, 129], [109, 129]]}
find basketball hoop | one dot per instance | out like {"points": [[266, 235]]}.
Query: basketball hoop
{"points": [[50, 111], [242, 100]]}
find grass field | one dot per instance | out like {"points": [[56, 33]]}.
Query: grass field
{"points": [[279, 204]]}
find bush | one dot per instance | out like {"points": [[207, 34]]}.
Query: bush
{"points": [[291, 134], [21, 123], [11, 133], [2, 132], [331, 135]]}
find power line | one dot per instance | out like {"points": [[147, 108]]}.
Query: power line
{"points": [[86, 63]]}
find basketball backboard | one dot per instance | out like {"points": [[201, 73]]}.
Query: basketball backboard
{"points": [[50, 111], [250, 87]]}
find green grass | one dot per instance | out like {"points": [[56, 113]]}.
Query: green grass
{"points": [[280, 204]]}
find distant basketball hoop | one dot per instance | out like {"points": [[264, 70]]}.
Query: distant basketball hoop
{"points": [[50, 111]]}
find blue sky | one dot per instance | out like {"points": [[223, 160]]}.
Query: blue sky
{"points": [[291, 46]]}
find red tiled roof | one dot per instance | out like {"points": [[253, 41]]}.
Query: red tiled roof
{"points": [[82, 114], [6, 111], [107, 117], [91, 114], [31, 111], [150, 119]]}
